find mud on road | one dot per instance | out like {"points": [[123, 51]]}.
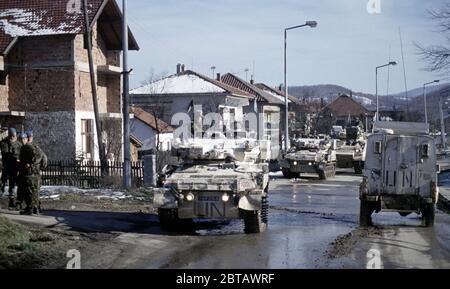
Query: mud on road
{"points": [[312, 224]]}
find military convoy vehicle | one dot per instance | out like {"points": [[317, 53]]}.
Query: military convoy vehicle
{"points": [[351, 153], [310, 155], [400, 172], [217, 179]]}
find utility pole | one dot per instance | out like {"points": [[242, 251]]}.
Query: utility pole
{"points": [[441, 114], [126, 103], [88, 42]]}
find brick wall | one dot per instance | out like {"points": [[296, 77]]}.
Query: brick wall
{"points": [[101, 55], [108, 86], [34, 90], [40, 74]]}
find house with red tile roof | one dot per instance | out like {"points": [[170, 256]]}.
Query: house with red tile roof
{"points": [[44, 74], [151, 131]]}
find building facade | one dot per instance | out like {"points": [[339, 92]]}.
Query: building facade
{"points": [[45, 82]]}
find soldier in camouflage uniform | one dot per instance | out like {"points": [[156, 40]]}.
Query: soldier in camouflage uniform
{"points": [[20, 195], [10, 149], [32, 161]]}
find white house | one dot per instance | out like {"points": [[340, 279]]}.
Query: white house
{"points": [[192, 93], [151, 131]]}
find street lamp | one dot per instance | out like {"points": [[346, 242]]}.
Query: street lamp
{"points": [[376, 85], [425, 98], [311, 24]]}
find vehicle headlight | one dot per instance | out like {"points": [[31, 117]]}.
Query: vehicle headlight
{"points": [[245, 185], [190, 197], [295, 163], [310, 164], [225, 198]]}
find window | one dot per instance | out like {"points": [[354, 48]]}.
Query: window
{"points": [[2, 78], [87, 138], [377, 147], [425, 151]]}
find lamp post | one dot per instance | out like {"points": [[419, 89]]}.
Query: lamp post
{"points": [[311, 24], [425, 98], [376, 85]]}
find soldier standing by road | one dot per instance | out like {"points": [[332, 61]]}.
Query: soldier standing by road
{"points": [[32, 161], [10, 149], [20, 195]]}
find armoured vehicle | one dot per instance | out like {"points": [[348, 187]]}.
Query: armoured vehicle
{"points": [[400, 172], [351, 153], [217, 179], [310, 155]]}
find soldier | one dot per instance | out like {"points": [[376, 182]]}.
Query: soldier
{"points": [[10, 149], [32, 161], [20, 194]]}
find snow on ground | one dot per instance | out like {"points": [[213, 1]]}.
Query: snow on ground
{"points": [[56, 192], [363, 100]]}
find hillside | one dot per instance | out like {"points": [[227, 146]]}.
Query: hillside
{"points": [[392, 102]]}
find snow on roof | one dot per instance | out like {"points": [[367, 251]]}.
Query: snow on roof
{"points": [[41, 17], [23, 22], [185, 83], [279, 97]]}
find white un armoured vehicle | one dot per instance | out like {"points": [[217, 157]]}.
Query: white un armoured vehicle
{"points": [[400, 172], [310, 155], [351, 152], [218, 179]]}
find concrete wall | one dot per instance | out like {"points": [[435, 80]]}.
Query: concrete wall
{"points": [[54, 133]]}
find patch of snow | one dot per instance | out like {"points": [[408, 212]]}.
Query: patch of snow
{"points": [[186, 83], [363, 100], [55, 192]]}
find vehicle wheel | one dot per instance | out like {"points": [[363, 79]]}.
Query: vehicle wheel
{"points": [[168, 219], [265, 210], [365, 214], [404, 214], [287, 173], [253, 222], [428, 214], [333, 171], [358, 167], [322, 174]]}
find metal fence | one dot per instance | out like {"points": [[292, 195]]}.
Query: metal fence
{"points": [[88, 174]]}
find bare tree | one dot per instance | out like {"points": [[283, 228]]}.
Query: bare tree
{"points": [[438, 56]]}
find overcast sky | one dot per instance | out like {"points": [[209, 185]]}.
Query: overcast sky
{"points": [[233, 35]]}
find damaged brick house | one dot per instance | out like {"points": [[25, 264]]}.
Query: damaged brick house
{"points": [[44, 74]]}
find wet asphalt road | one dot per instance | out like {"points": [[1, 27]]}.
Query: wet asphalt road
{"points": [[312, 224]]}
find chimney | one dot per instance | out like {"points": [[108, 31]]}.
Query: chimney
{"points": [[178, 68], [218, 76], [183, 67]]}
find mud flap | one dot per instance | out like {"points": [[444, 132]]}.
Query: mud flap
{"points": [[251, 202]]}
